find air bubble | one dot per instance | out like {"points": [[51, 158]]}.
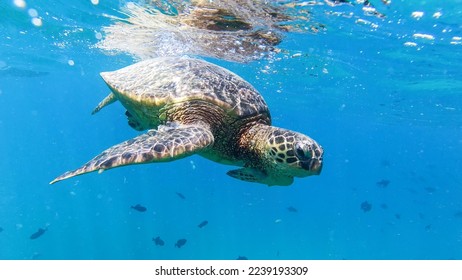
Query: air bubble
{"points": [[32, 13], [37, 21], [423, 36], [437, 15], [417, 14], [410, 44], [19, 3]]}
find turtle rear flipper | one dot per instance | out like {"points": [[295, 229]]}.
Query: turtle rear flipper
{"points": [[254, 175], [111, 98], [169, 142]]}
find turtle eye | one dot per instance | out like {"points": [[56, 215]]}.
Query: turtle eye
{"points": [[300, 152]]}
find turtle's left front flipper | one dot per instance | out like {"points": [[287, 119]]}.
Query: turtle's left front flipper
{"points": [[167, 143]]}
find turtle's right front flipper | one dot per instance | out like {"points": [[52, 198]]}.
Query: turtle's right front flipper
{"points": [[168, 143]]}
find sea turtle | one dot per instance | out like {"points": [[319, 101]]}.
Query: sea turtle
{"points": [[191, 106]]}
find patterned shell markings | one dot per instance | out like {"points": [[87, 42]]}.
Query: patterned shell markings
{"points": [[172, 80]]}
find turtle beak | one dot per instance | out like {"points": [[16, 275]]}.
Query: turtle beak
{"points": [[314, 164], [316, 161]]}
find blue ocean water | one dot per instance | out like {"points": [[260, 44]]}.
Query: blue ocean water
{"points": [[381, 95]]}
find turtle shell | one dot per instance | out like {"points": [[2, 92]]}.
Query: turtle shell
{"points": [[158, 82]]}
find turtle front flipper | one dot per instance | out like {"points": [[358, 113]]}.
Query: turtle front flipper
{"points": [[167, 143], [254, 175]]}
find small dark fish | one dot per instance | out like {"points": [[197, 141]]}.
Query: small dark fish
{"points": [[398, 216], [366, 206], [242, 258], [383, 183], [384, 206], [203, 224], [37, 234], [158, 241], [292, 209], [139, 208], [1, 229], [428, 227], [458, 214], [180, 243], [180, 195]]}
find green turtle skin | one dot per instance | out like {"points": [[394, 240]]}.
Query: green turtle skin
{"points": [[190, 106]]}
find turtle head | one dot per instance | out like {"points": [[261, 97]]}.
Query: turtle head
{"points": [[294, 154]]}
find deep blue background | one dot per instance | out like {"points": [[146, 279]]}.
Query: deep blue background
{"points": [[382, 111]]}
